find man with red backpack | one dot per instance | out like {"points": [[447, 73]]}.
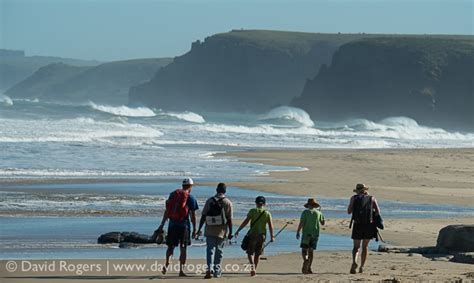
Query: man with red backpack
{"points": [[181, 209]]}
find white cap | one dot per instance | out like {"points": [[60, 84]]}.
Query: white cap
{"points": [[188, 181]]}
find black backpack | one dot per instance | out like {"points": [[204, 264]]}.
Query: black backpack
{"points": [[215, 214], [362, 212]]}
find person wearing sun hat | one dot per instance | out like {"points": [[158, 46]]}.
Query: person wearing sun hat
{"points": [[363, 208], [310, 221]]}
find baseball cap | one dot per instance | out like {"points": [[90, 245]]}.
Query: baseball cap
{"points": [[260, 199], [188, 181]]}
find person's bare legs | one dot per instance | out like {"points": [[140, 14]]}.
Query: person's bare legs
{"points": [[304, 254], [256, 258], [252, 264], [169, 254], [365, 250], [182, 260], [310, 260], [355, 253]]}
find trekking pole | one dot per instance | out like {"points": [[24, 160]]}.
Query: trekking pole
{"points": [[276, 235]]}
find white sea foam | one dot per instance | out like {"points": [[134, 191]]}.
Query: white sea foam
{"points": [[34, 100], [289, 114], [81, 129], [124, 110], [5, 100], [21, 172], [186, 116]]}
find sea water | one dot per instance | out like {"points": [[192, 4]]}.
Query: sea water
{"points": [[51, 140], [61, 220], [47, 140]]}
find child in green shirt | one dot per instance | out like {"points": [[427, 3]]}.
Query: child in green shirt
{"points": [[259, 218], [310, 222]]}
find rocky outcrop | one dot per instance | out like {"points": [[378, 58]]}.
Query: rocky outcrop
{"points": [[426, 78], [457, 238], [15, 66], [124, 237], [240, 71], [455, 243], [106, 83]]}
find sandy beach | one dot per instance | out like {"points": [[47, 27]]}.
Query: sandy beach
{"points": [[437, 176], [442, 176]]}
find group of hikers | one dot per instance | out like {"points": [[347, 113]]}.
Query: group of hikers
{"points": [[217, 217]]}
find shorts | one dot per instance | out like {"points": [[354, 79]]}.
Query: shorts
{"points": [[256, 242], [309, 241], [178, 236], [364, 231]]}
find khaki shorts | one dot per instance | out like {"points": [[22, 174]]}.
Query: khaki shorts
{"points": [[256, 242]]}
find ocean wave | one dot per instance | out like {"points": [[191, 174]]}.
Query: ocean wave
{"points": [[34, 100], [394, 128], [123, 110], [47, 173], [81, 129], [260, 130], [288, 114], [5, 100], [186, 116]]}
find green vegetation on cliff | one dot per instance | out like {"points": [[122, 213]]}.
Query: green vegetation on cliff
{"points": [[105, 83], [425, 78], [15, 66], [242, 70]]}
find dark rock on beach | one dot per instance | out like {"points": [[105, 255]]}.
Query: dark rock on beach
{"points": [[124, 237], [456, 238]]}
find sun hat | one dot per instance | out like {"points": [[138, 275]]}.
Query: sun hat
{"points": [[188, 181], [312, 203], [360, 188], [260, 200]]}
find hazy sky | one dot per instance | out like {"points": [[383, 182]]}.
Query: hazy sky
{"points": [[119, 29]]}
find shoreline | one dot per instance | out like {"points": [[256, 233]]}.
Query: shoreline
{"points": [[431, 176]]}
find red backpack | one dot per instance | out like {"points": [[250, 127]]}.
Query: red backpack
{"points": [[177, 205]]}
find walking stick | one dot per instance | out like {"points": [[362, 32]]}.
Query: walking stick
{"points": [[276, 235]]}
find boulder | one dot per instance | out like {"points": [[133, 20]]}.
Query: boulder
{"points": [[456, 238], [463, 258], [122, 237], [107, 238]]}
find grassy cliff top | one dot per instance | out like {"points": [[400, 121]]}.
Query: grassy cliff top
{"points": [[303, 41]]}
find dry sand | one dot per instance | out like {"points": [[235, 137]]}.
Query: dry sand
{"points": [[420, 176]]}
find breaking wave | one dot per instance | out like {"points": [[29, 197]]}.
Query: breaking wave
{"points": [[287, 114], [186, 116], [5, 100], [123, 110]]}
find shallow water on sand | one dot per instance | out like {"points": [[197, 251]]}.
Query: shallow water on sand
{"points": [[65, 220]]}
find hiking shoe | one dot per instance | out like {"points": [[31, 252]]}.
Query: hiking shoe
{"points": [[208, 275], [353, 268]]}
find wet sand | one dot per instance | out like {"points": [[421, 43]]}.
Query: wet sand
{"points": [[438, 176]]}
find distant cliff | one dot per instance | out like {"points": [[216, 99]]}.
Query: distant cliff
{"points": [[15, 66], [105, 83], [242, 70], [428, 79]]}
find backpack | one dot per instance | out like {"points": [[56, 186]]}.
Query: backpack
{"points": [[363, 211], [177, 205], [215, 214]]}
